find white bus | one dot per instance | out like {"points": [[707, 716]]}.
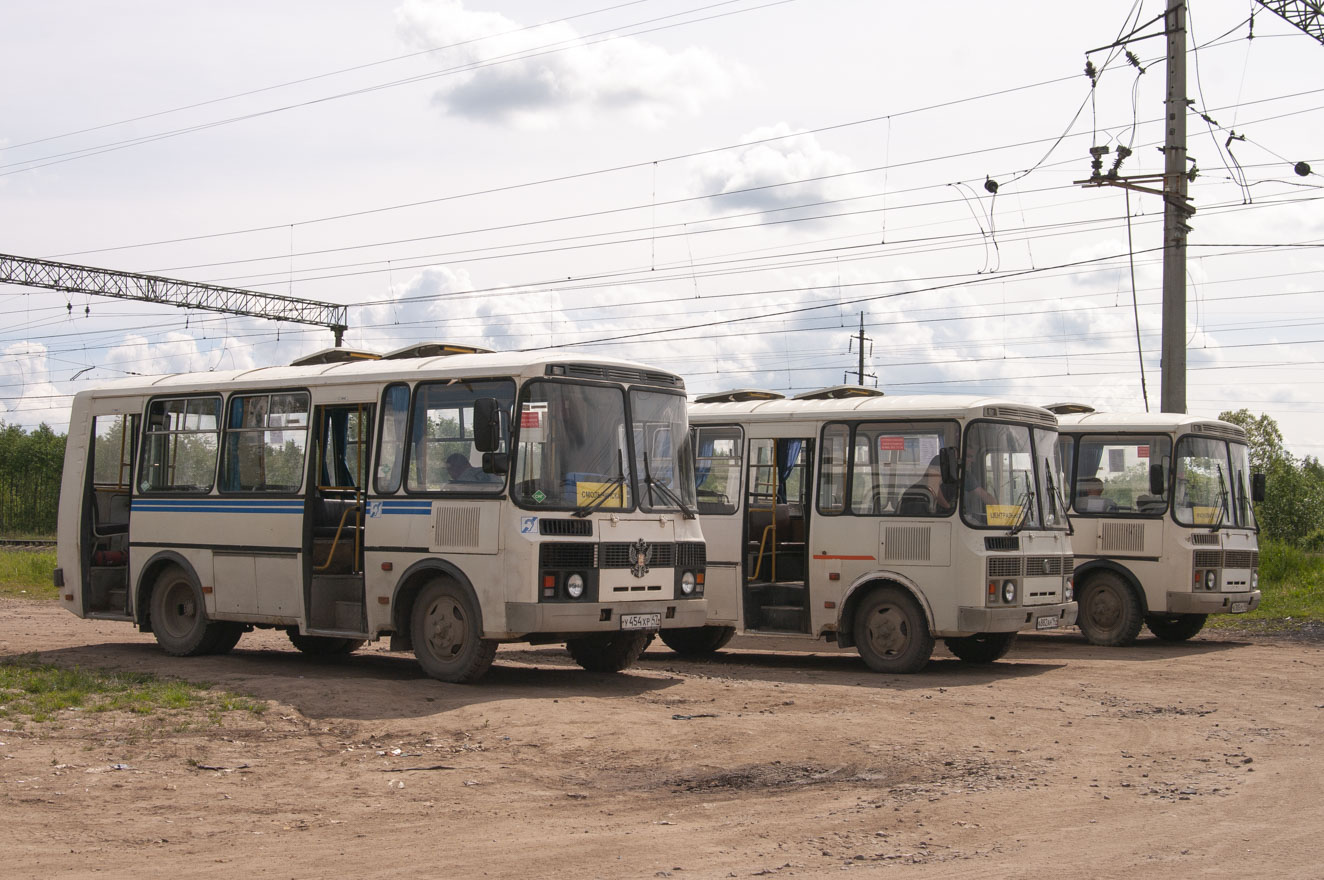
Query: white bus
{"points": [[1165, 533], [449, 498], [879, 523]]}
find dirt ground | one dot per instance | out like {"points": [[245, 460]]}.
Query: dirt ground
{"points": [[1200, 759]]}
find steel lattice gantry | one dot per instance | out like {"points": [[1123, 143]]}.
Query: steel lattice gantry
{"points": [[71, 278], [1308, 15]]}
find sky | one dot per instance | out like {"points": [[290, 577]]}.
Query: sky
{"points": [[720, 189]]}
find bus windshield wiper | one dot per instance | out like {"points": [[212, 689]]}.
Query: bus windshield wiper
{"points": [[1222, 501], [1024, 516], [664, 490], [605, 492], [1058, 500]]}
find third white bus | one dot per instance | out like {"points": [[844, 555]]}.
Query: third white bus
{"points": [[1165, 530]]}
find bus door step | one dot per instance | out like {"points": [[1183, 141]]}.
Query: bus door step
{"points": [[783, 618]]}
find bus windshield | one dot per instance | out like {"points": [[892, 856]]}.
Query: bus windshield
{"points": [[664, 461], [1244, 513], [1053, 478], [1204, 484], [572, 451], [998, 483]]}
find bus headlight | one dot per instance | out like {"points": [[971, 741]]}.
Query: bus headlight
{"points": [[1210, 579], [1008, 591], [687, 583], [1068, 591], [1254, 580], [574, 586]]}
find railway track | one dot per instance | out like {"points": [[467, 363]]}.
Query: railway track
{"points": [[27, 543]]}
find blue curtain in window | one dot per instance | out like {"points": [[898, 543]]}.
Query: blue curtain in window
{"points": [[788, 452], [703, 459]]}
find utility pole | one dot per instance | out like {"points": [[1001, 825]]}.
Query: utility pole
{"points": [[860, 375], [1177, 208], [1175, 212], [72, 278]]}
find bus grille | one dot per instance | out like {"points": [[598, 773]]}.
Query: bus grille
{"points": [[1123, 536], [623, 556], [907, 543], [1205, 539], [1002, 543], [582, 556], [691, 555], [566, 528], [1208, 558], [1043, 566], [1004, 566], [1238, 559]]}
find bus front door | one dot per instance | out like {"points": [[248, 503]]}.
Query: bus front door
{"points": [[775, 593], [336, 514]]}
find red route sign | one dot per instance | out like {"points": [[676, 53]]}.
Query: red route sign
{"points": [[891, 444]]}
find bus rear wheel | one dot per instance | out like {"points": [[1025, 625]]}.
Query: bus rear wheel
{"points": [[697, 641], [610, 651], [179, 618], [981, 647], [1110, 613], [447, 635], [891, 632], [1175, 627], [323, 646]]}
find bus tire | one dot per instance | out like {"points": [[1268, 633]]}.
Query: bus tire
{"points": [[697, 641], [447, 633], [179, 618], [1110, 613], [891, 632], [227, 635], [1175, 627], [323, 646], [981, 647], [608, 652]]}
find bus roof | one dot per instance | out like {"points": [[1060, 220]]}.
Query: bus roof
{"points": [[525, 364], [1167, 423], [925, 406]]}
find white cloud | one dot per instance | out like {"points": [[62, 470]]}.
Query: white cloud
{"points": [[754, 174], [623, 78]]}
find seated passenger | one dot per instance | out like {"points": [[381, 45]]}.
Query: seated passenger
{"points": [[930, 496], [457, 465], [1089, 497]]}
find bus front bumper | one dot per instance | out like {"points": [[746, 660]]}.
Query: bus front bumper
{"points": [[523, 618], [987, 620], [1213, 603]]}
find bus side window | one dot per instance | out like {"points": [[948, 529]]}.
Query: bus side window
{"points": [[832, 470], [717, 468], [181, 445], [391, 454], [114, 439]]}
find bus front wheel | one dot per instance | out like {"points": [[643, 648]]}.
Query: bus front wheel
{"points": [[1175, 627], [179, 619], [891, 632], [608, 652], [981, 647], [447, 635], [697, 641], [1110, 613]]}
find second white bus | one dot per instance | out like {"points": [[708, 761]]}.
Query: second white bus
{"points": [[880, 523]]}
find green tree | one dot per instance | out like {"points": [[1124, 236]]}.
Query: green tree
{"points": [[1293, 507]]}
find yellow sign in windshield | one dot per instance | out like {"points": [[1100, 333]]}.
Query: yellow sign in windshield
{"points": [[1003, 514], [587, 491]]}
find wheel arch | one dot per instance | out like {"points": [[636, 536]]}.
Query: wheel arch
{"points": [[1084, 571], [862, 587], [406, 592], [162, 559]]}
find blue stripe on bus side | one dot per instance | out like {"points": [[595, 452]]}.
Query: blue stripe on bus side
{"points": [[216, 506]]}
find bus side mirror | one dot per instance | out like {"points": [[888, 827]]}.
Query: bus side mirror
{"points": [[1257, 488], [1156, 481], [496, 462], [947, 464], [487, 424]]}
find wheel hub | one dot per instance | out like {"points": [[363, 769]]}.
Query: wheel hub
{"points": [[445, 629], [887, 631]]}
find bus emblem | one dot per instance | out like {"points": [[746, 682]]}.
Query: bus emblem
{"points": [[374, 509], [643, 554]]}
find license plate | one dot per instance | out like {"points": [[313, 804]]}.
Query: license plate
{"points": [[1240, 607], [642, 621], [1046, 622]]}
